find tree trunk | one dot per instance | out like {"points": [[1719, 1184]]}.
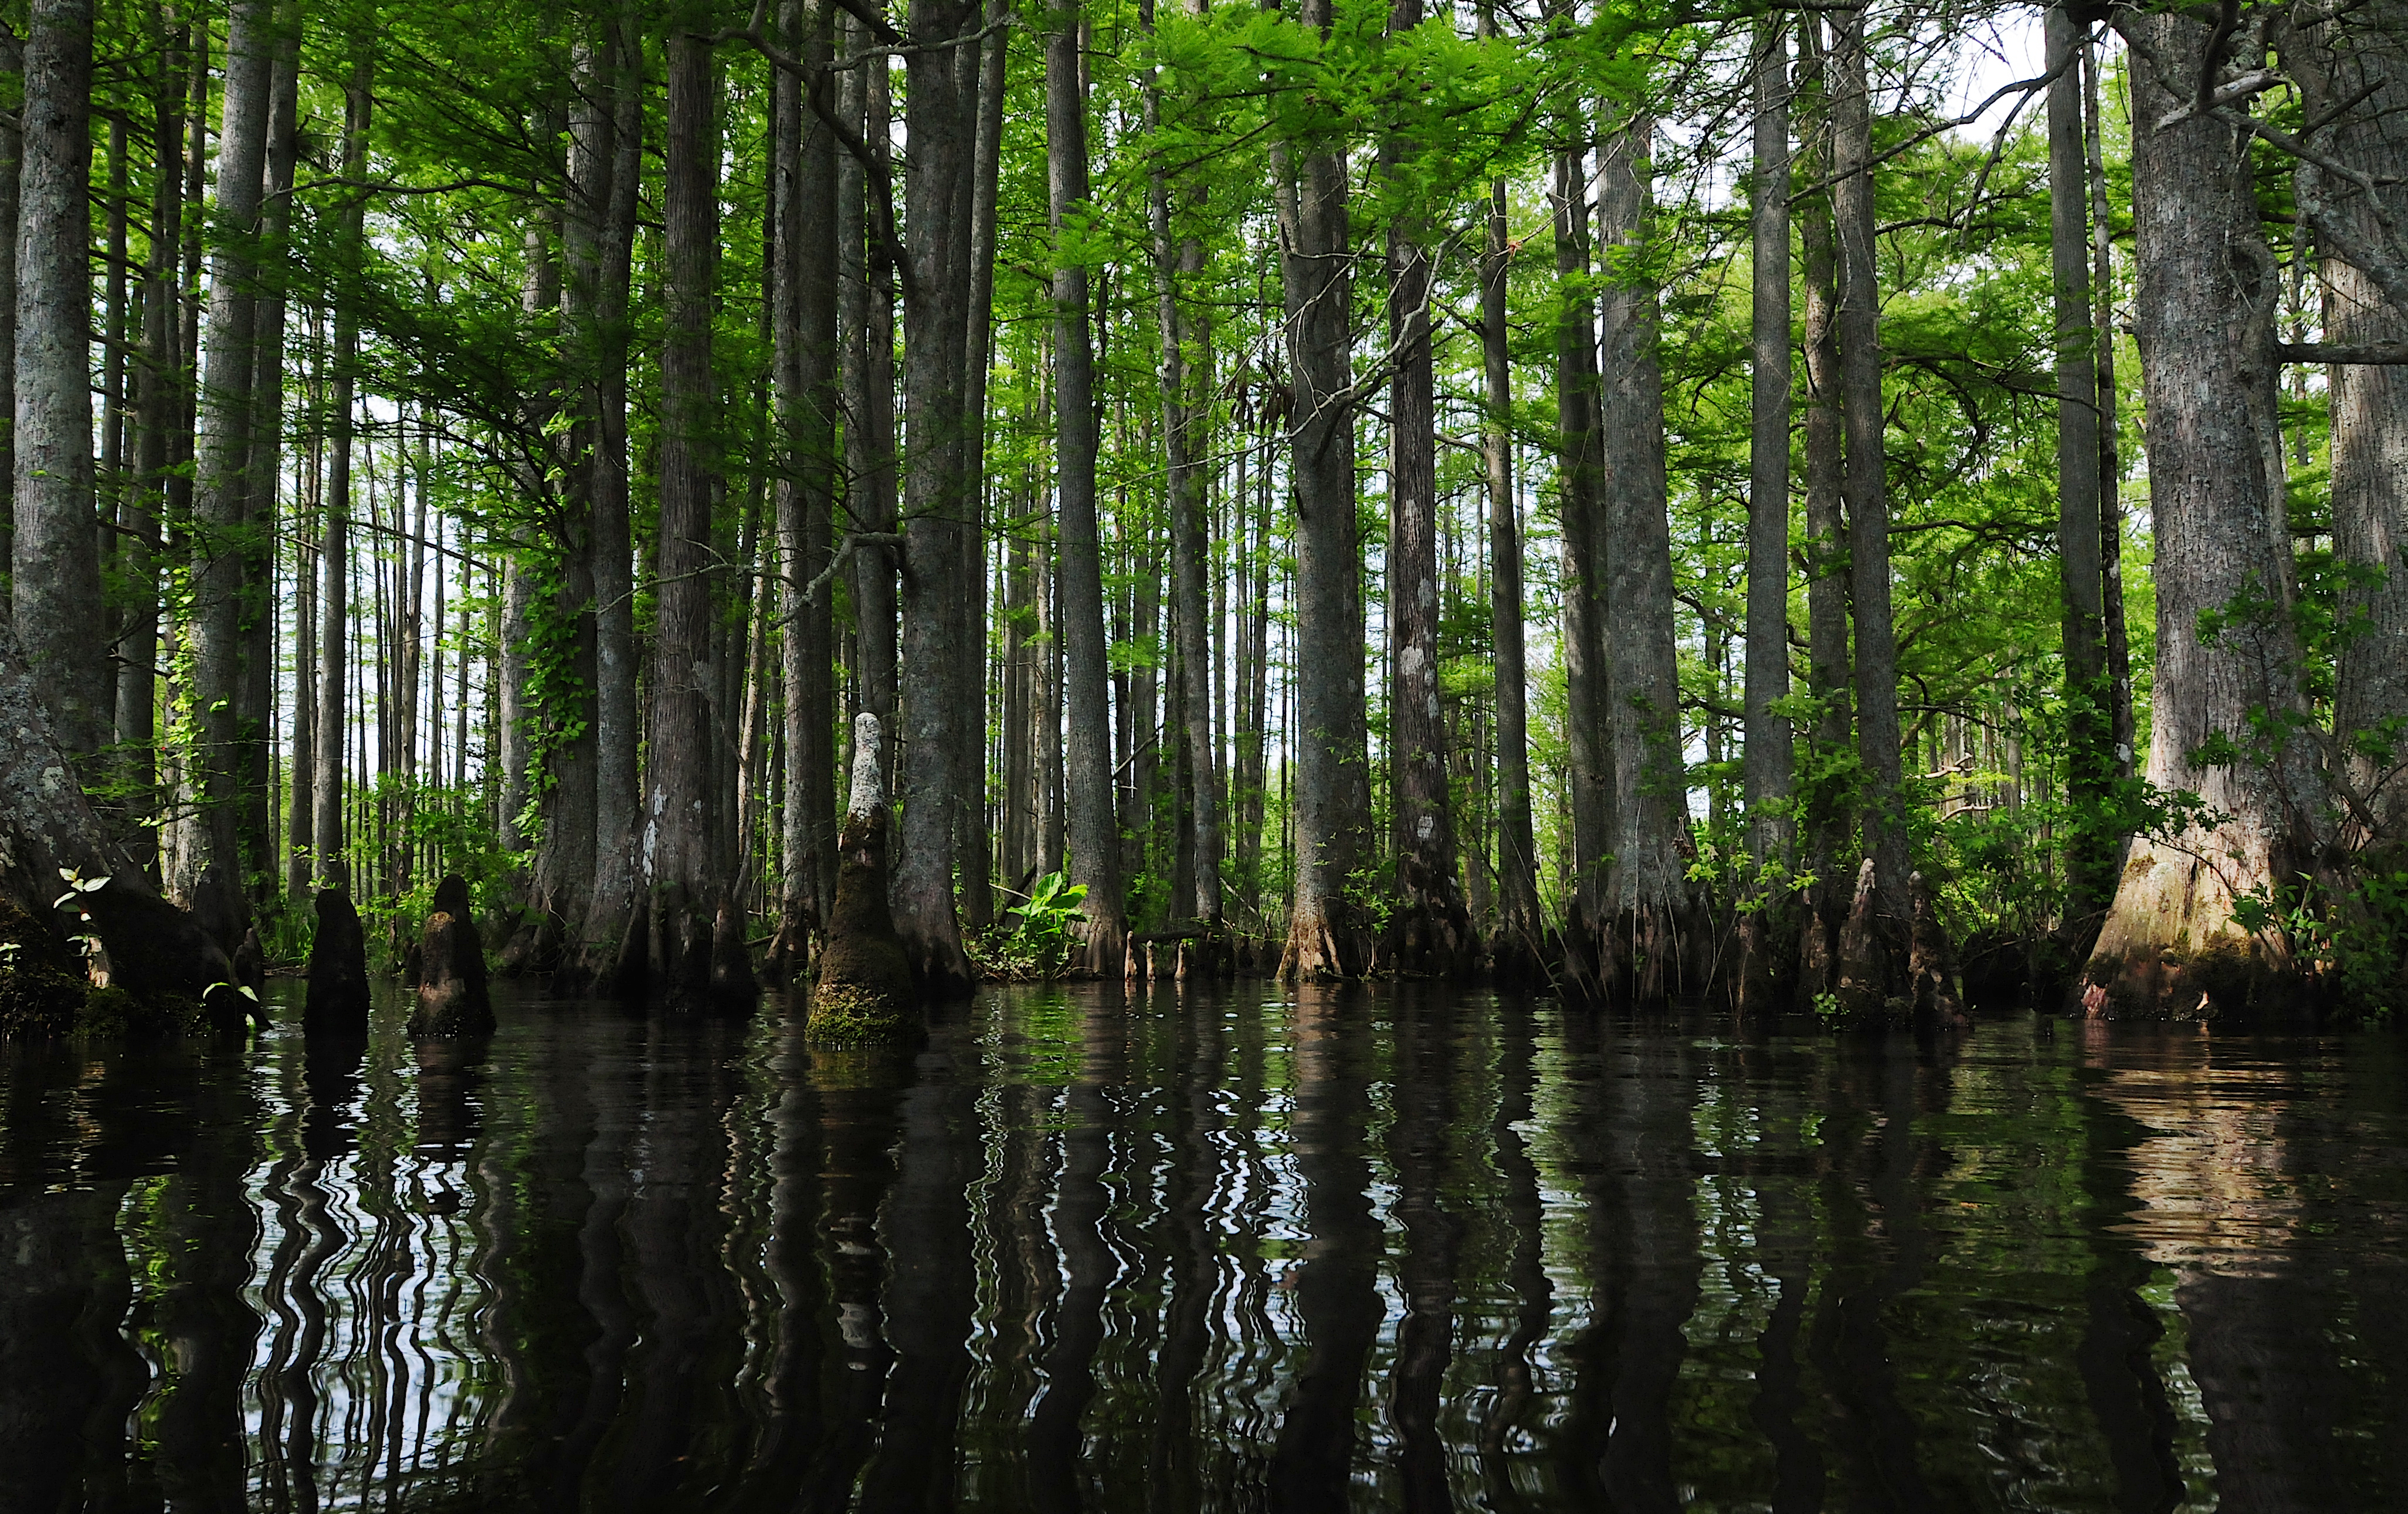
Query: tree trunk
{"points": [[557, 311], [1186, 377], [219, 528], [1647, 882], [984, 85], [2205, 321], [1519, 949], [1827, 548], [157, 382], [937, 186], [2122, 730], [1087, 757], [261, 528], [1866, 482], [1326, 939], [1769, 755], [326, 828], [114, 507], [310, 516], [55, 558], [2337, 64], [1588, 751], [12, 156], [2090, 871], [1769, 759], [805, 171], [866, 323], [685, 880], [618, 730], [1430, 929]]}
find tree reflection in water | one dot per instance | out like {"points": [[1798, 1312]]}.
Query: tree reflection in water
{"points": [[1177, 1249]]}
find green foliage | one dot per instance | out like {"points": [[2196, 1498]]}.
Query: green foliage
{"points": [[1034, 938], [2350, 931]]}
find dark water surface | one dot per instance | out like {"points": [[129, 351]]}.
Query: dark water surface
{"points": [[1243, 1249]]}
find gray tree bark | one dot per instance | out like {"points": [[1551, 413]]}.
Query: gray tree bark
{"points": [[12, 161], [261, 526], [1769, 751], [1326, 937], [334, 558], [1519, 949], [1430, 929], [1186, 332], [1827, 545], [220, 509], [806, 356], [54, 558], [1769, 756], [866, 327], [617, 722], [1587, 743], [685, 880], [983, 83], [1866, 482], [2204, 317], [157, 384], [2363, 57], [938, 182], [2082, 584], [2122, 727], [1646, 885], [1088, 765]]}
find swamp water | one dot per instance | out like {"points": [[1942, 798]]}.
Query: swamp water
{"points": [[1234, 1249]]}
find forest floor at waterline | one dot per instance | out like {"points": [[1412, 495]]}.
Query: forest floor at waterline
{"points": [[1204, 1247]]}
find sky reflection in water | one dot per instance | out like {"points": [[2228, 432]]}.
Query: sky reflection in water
{"points": [[1241, 1249]]}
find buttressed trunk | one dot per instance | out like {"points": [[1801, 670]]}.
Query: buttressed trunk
{"points": [[687, 882], [2205, 309], [1324, 938]]}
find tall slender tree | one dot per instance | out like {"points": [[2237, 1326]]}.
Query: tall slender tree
{"points": [[1588, 754], [2090, 762], [938, 178], [1646, 888], [220, 511], [1094, 845], [326, 825], [686, 882], [55, 557], [1519, 938], [1866, 481], [1326, 937], [1430, 929], [805, 283]]}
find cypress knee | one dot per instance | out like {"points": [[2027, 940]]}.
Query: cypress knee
{"points": [[452, 998], [337, 996], [865, 987]]}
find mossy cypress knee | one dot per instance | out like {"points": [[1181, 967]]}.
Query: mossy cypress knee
{"points": [[865, 981]]}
